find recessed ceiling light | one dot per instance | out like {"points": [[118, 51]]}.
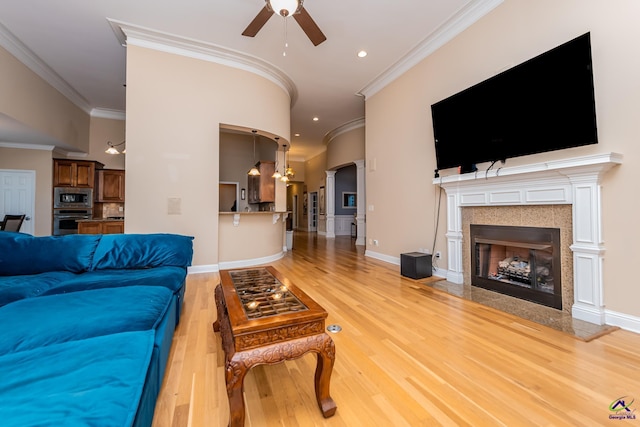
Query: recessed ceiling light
{"points": [[315, 119], [362, 54], [296, 134]]}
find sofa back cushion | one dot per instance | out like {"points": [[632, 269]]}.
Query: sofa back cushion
{"points": [[25, 254], [117, 251]]}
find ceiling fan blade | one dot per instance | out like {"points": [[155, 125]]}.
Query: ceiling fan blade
{"points": [[258, 22], [309, 27]]}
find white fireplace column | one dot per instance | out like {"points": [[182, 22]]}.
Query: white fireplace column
{"points": [[454, 239], [574, 181], [588, 250]]}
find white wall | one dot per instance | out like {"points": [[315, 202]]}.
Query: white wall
{"points": [[515, 31], [175, 106]]}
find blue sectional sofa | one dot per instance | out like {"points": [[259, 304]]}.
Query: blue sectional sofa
{"points": [[87, 325]]}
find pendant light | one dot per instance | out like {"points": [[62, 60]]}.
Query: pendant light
{"points": [[285, 177], [289, 172], [112, 148], [254, 170], [277, 174]]}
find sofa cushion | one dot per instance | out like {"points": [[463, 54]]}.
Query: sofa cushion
{"points": [[25, 254], [167, 277], [97, 382], [143, 251], [48, 320], [14, 288]]}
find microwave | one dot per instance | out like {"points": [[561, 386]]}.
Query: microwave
{"points": [[66, 197]]}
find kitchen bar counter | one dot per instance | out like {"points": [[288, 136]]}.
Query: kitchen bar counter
{"points": [[250, 238]]}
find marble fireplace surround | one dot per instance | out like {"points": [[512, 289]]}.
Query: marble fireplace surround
{"points": [[573, 181]]}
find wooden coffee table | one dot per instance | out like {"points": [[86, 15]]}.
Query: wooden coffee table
{"points": [[265, 319]]}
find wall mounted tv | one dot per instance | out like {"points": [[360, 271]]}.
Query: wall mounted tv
{"points": [[546, 103]]}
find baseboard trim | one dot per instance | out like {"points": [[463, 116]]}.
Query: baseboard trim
{"points": [[225, 265], [197, 269], [382, 257], [624, 321]]}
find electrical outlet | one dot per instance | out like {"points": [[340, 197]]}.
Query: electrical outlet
{"points": [[375, 242], [438, 254]]}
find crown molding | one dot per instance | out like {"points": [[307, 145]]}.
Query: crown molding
{"points": [[24, 146], [61, 152], [32, 61], [106, 113], [459, 22], [129, 34], [349, 126]]}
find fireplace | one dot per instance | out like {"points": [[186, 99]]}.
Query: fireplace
{"points": [[575, 182], [522, 262]]}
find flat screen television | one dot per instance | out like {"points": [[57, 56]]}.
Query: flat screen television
{"points": [[546, 103]]}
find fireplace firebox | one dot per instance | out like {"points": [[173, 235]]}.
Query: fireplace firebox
{"points": [[523, 262]]}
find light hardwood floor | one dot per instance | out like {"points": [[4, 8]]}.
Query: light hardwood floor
{"points": [[407, 355]]}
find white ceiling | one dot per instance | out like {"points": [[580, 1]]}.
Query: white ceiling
{"points": [[72, 44]]}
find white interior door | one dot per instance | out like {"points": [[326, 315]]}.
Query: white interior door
{"points": [[17, 196]]}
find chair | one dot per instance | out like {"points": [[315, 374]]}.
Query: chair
{"points": [[12, 222]]}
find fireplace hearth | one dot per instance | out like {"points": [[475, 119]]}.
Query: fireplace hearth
{"points": [[522, 262]]}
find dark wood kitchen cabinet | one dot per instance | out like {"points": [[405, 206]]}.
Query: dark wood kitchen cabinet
{"points": [[262, 188], [100, 227], [109, 186], [74, 173]]}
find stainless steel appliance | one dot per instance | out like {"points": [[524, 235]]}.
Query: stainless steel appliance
{"points": [[72, 198], [65, 221]]}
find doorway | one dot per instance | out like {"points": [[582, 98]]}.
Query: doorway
{"points": [[228, 197], [294, 212], [18, 189]]}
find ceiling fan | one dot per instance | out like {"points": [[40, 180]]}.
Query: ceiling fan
{"points": [[286, 8]]}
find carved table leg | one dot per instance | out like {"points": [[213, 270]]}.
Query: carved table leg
{"points": [[324, 367], [236, 371]]}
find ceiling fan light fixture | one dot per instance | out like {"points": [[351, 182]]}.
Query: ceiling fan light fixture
{"points": [[285, 7]]}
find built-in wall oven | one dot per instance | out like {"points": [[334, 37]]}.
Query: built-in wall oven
{"points": [[72, 198], [69, 206], [65, 221]]}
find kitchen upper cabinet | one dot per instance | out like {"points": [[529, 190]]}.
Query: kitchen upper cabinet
{"points": [[262, 188], [74, 173], [110, 186]]}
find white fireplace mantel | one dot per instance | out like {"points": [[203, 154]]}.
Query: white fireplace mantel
{"points": [[575, 181]]}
